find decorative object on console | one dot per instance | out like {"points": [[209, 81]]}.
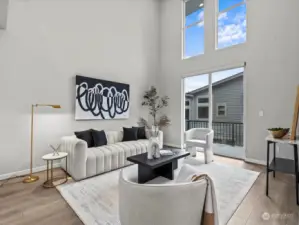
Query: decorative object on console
{"points": [[32, 178], [100, 99], [166, 152], [55, 150], [278, 132], [85, 135], [130, 134], [295, 119]]}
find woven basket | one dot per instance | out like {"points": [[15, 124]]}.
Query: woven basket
{"points": [[279, 133]]}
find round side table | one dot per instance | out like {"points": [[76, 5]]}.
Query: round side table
{"points": [[49, 183]]}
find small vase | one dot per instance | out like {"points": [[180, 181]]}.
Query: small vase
{"points": [[154, 147]]}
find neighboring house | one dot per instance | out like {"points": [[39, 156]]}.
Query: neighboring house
{"points": [[227, 101]]}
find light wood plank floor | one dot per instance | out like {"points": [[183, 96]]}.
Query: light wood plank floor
{"points": [[31, 204]]}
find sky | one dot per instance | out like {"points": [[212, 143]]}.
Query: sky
{"points": [[231, 28], [231, 31], [194, 82]]}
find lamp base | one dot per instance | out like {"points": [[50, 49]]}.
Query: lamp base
{"points": [[30, 179]]}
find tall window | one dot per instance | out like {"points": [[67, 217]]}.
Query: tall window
{"points": [[193, 28], [231, 17], [203, 107], [187, 110]]}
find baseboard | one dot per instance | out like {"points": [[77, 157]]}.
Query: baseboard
{"points": [[25, 172], [255, 161], [172, 145]]}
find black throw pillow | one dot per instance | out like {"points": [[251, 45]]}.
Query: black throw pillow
{"points": [[86, 136], [140, 132], [99, 138], [130, 134]]}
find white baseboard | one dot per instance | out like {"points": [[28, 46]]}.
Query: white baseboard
{"points": [[172, 145], [25, 172], [256, 161]]}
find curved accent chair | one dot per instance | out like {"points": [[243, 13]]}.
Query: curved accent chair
{"points": [[160, 204], [200, 138]]}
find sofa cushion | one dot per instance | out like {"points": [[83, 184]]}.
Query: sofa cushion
{"points": [[140, 132], [130, 134], [86, 136], [99, 138]]}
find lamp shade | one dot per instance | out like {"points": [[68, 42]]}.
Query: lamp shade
{"points": [[49, 105]]}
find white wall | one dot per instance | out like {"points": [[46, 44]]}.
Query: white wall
{"points": [[48, 42], [271, 75], [3, 13]]}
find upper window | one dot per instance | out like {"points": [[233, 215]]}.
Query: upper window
{"points": [[203, 100], [193, 28], [231, 18]]}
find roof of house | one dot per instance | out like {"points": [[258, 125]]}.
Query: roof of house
{"points": [[191, 93]]}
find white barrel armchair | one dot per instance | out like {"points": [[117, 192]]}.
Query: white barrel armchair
{"points": [[160, 204], [200, 138]]}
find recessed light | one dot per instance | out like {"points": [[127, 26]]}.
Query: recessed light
{"points": [[201, 5]]}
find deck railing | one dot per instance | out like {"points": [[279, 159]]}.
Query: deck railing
{"points": [[230, 133]]}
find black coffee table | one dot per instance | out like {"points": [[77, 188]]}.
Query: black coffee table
{"points": [[149, 169]]}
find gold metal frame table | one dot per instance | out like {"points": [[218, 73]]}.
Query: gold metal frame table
{"points": [[50, 158]]}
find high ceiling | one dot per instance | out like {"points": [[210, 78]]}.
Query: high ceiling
{"points": [[193, 5]]}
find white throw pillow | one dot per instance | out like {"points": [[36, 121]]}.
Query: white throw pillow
{"points": [[186, 173]]}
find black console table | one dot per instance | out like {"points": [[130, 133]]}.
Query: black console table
{"points": [[289, 166]]}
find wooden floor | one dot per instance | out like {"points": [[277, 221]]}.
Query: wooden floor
{"points": [[31, 204]]}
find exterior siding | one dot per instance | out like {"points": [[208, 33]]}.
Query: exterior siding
{"points": [[230, 93]]}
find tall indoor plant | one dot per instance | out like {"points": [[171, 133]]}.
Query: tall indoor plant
{"points": [[155, 104]]}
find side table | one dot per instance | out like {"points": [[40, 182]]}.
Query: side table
{"points": [[289, 166], [49, 183]]}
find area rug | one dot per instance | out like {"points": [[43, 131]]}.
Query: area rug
{"points": [[95, 200]]}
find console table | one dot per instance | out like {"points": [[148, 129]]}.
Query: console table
{"points": [[289, 166]]}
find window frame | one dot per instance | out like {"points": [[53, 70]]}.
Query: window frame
{"points": [[202, 105], [225, 109], [187, 107], [184, 28], [218, 13]]}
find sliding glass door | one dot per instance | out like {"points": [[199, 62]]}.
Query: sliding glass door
{"points": [[215, 100]]}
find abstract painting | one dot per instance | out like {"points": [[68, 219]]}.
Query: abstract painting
{"points": [[101, 99]]}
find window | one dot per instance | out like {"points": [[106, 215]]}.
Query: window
{"points": [[187, 109], [203, 107], [203, 100], [221, 109], [187, 114], [203, 112], [193, 28], [231, 19]]}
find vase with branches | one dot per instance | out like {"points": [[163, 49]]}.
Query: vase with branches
{"points": [[155, 104]]}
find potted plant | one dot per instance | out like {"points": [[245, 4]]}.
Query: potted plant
{"points": [[155, 104]]}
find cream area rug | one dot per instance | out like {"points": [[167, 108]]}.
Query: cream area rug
{"points": [[95, 200]]}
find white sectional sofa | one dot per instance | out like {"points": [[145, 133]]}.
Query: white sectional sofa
{"points": [[86, 162]]}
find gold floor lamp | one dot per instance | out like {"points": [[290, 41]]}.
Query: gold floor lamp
{"points": [[32, 178]]}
